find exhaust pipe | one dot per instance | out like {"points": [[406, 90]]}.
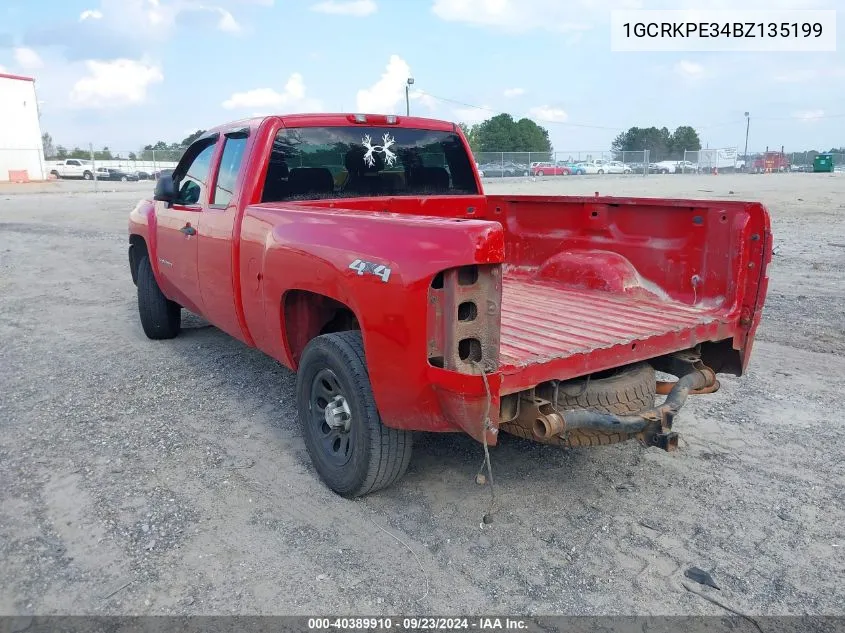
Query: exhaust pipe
{"points": [[547, 425], [698, 380]]}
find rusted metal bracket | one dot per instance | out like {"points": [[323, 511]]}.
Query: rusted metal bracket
{"points": [[667, 441]]}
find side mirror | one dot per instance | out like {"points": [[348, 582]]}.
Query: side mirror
{"points": [[165, 190]]}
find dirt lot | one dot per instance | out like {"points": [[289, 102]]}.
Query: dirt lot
{"points": [[170, 477]]}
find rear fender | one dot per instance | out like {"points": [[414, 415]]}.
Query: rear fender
{"points": [[381, 266]]}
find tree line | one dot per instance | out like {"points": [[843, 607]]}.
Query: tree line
{"points": [[159, 150], [502, 133], [661, 144]]}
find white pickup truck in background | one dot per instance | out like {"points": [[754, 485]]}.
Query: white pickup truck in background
{"points": [[72, 168]]}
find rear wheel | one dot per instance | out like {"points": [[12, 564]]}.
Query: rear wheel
{"points": [[541, 173], [87, 175], [352, 451], [601, 171], [124, 179]]}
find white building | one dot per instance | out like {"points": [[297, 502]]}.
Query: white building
{"points": [[21, 152]]}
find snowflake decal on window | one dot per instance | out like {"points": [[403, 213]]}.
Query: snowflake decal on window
{"points": [[386, 142]]}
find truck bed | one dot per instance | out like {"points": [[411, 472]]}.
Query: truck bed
{"points": [[549, 331]]}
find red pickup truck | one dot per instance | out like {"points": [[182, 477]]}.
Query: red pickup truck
{"points": [[361, 252]]}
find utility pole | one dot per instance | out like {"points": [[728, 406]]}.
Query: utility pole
{"points": [[747, 126], [408, 85], [93, 165]]}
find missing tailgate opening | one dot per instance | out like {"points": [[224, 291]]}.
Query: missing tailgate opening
{"points": [[467, 311], [436, 361], [469, 350], [437, 282], [467, 275]]}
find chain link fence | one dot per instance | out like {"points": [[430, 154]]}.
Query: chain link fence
{"points": [[560, 163], [23, 164]]}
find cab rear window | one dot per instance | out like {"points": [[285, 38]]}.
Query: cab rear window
{"points": [[311, 163]]}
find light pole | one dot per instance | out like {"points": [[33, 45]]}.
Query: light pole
{"points": [[408, 85], [747, 125]]}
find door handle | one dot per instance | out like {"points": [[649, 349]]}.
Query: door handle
{"points": [[188, 229]]}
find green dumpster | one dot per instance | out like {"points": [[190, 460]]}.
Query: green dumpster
{"points": [[823, 162]]}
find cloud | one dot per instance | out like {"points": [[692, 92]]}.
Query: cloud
{"points": [[114, 84], [810, 74], [90, 14], [128, 28], [514, 92], [201, 16], [386, 95], [548, 113], [426, 100], [689, 69], [27, 58], [809, 115], [357, 8], [472, 115], [3, 69], [518, 15], [292, 99]]}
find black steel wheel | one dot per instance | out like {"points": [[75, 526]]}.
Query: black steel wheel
{"points": [[352, 451], [331, 417]]}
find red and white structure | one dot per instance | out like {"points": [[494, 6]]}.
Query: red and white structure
{"points": [[21, 151]]}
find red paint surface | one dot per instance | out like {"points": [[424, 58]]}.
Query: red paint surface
{"points": [[18, 77], [589, 283]]}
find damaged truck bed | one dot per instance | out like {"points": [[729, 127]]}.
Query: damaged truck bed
{"points": [[360, 251]]}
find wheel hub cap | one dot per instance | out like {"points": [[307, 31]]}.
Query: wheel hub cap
{"points": [[337, 414]]}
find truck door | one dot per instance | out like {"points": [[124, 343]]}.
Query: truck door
{"points": [[178, 226], [72, 169], [217, 270]]}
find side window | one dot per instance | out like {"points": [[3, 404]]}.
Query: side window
{"points": [[195, 180], [230, 165], [75, 163]]}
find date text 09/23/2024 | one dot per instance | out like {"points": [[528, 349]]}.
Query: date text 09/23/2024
{"points": [[418, 624]]}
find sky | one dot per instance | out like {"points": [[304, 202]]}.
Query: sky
{"points": [[124, 73]]}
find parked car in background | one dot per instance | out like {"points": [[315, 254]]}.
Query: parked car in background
{"points": [[110, 173], [666, 166], [594, 166], [143, 175], [686, 167], [639, 168], [576, 169], [516, 169], [504, 170], [161, 172], [617, 167], [72, 168], [548, 169]]}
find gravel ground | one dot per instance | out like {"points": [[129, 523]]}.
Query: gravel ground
{"points": [[171, 478]]}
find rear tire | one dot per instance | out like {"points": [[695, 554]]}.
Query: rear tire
{"points": [[629, 390], [87, 175], [541, 174], [357, 454], [600, 171], [161, 318]]}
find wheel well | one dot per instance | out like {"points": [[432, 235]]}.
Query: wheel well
{"points": [[137, 250], [308, 314]]}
